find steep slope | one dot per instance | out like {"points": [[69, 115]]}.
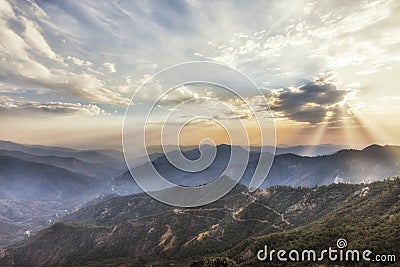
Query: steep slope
{"points": [[140, 231]]}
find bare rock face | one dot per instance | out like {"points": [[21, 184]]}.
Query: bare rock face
{"points": [[214, 262]]}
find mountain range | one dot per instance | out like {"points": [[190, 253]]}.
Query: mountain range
{"points": [[136, 230], [345, 166], [40, 184], [301, 150]]}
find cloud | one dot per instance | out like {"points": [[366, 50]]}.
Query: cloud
{"points": [[110, 67], [317, 37], [310, 102], [10, 106], [279, 44], [7, 88], [25, 55], [34, 38], [367, 72], [80, 62], [188, 92]]}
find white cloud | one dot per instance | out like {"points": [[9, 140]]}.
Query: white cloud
{"points": [[80, 62], [181, 94], [24, 107], [6, 9], [7, 88], [23, 59], [110, 67], [367, 72], [36, 41]]}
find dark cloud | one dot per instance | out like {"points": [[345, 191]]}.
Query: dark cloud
{"points": [[307, 103], [310, 114]]}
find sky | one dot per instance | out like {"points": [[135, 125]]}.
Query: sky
{"points": [[328, 69]]}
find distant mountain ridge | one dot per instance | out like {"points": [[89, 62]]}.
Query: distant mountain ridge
{"points": [[346, 166], [301, 150], [69, 163], [305, 150], [106, 157]]}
